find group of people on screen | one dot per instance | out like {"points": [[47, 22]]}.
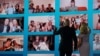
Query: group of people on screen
{"points": [[41, 26], [7, 8], [10, 25], [75, 21], [40, 9], [41, 43], [11, 45]]}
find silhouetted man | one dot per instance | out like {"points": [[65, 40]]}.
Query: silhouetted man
{"points": [[68, 35]]}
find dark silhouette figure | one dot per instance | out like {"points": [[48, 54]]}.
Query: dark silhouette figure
{"points": [[68, 35]]}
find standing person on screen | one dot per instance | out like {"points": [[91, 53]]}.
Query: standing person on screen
{"points": [[84, 49], [4, 28], [68, 35], [10, 9]]}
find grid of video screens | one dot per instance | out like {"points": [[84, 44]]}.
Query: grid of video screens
{"points": [[27, 26]]}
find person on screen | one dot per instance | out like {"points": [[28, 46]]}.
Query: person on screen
{"points": [[43, 8], [16, 27], [98, 8], [49, 8], [4, 28], [36, 43], [72, 7], [44, 44], [17, 46], [16, 8], [73, 22], [8, 45], [96, 42], [37, 10], [37, 27], [31, 8], [98, 23], [68, 35], [32, 27], [4, 9], [50, 26], [30, 41], [44, 27], [84, 49], [19, 9], [78, 21], [10, 9]]}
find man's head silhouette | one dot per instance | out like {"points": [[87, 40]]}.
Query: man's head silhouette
{"points": [[67, 22]]}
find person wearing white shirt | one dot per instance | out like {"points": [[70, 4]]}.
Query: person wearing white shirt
{"points": [[96, 43]]}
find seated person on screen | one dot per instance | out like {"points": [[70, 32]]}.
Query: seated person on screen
{"points": [[72, 7]]}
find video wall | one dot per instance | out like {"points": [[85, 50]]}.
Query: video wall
{"points": [[27, 26]]}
